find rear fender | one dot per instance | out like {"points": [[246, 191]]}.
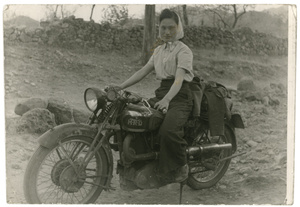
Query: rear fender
{"points": [[236, 121], [230, 128]]}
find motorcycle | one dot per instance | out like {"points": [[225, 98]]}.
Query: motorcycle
{"points": [[74, 162]]}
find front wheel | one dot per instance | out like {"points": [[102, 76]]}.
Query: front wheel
{"points": [[50, 178], [206, 171]]}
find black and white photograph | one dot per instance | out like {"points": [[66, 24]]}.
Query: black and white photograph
{"points": [[190, 104]]}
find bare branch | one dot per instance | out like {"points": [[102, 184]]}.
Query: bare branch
{"points": [[92, 11]]}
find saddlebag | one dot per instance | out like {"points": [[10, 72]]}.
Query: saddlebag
{"points": [[211, 102]]}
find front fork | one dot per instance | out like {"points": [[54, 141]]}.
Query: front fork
{"points": [[79, 167]]}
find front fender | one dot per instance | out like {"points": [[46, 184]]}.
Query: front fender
{"points": [[51, 138]]}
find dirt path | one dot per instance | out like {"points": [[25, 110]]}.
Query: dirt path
{"points": [[258, 177]]}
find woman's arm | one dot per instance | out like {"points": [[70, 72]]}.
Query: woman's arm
{"points": [[137, 76], [179, 77]]}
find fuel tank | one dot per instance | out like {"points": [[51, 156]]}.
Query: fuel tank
{"points": [[139, 118]]}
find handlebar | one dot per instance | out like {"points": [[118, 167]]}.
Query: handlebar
{"points": [[125, 95]]}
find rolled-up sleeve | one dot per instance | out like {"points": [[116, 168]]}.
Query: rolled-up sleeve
{"points": [[151, 61], [185, 59]]}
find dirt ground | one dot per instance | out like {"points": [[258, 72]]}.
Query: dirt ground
{"points": [[258, 177]]}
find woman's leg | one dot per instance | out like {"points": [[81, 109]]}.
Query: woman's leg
{"points": [[172, 144]]}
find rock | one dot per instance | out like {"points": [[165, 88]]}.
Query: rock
{"points": [[277, 167], [243, 161], [80, 116], [274, 102], [59, 53], [65, 25], [61, 109], [252, 96], [271, 152], [257, 139], [264, 160], [233, 161], [281, 87], [222, 187], [252, 143], [27, 81], [265, 111], [246, 84], [281, 159], [29, 104], [25, 38], [36, 121], [245, 170], [265, 100]]}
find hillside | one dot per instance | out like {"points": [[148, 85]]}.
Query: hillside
{"points": [[22, 21], [280, 12], [265, 23], [271, 21]]}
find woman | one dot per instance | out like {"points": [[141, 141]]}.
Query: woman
{"points": [[172, 63]]}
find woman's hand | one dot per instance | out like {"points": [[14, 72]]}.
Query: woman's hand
{"points": [[162, 104], [115, 87]]}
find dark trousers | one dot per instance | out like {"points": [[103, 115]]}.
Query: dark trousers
{"points": [[172, 144]]}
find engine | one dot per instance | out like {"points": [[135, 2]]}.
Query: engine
{"points": [[139, 160]]}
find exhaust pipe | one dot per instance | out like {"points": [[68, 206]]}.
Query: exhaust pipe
{"points": [[198, 150], [130, 155]]}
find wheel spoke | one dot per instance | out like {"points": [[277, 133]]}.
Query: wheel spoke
{"points": [[52, 184]]}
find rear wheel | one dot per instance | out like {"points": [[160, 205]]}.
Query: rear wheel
{"points": [[50, 178], [206, 170]]}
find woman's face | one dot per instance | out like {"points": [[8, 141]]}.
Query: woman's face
{"points": [[168, 30]]}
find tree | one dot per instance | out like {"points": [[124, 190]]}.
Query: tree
{"points": [[8, 13], [149, 33], [116, 14], [185, 17], [92, 11], [52, 11], [238, 15], [227, 15]]}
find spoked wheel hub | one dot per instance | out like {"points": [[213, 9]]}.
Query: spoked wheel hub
{"points": [[70, 181], [64, 175], [58, 169]]}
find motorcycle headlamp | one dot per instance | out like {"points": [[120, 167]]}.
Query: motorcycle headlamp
{"points": [[94, 99]]}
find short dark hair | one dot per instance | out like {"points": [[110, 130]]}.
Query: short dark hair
{"points": [[168, 14]]}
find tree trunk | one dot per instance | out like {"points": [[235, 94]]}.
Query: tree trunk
{"points": [[62, 11], [236, 16], [149, 33], [92, 11], [185, 17], [55, 12]]}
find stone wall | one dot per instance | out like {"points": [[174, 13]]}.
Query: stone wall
{"points": [[73, 33]]}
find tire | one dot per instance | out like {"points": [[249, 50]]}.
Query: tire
{"points": [[196, 180], [47, 174]]}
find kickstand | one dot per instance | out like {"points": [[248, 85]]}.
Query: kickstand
{"points": [[181, 187]]}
